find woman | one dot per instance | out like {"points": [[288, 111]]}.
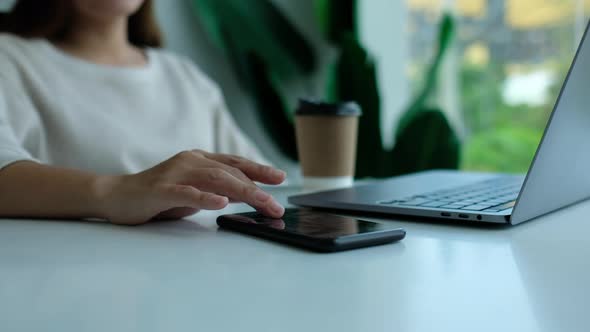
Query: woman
{"points": [[96, 122]]}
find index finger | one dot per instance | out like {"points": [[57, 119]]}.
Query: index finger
{"points": [[255, 171], [220, 182]]}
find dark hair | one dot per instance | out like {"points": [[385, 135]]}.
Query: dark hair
{"points": [[50, 19]]}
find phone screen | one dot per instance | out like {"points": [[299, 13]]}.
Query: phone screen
{"points": [[312, 224]]}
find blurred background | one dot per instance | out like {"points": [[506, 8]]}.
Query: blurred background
{"points": [[509, 60], [464, 84], [497, 83]]}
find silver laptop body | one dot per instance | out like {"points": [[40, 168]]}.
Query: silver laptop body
{"points": [[559, 175]]}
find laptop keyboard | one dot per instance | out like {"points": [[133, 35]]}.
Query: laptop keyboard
{"points": [[494, 195]]}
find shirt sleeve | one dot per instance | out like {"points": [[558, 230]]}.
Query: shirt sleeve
{"points": [[11, 150]]}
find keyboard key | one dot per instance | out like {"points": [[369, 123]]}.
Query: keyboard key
{"points": [[496, 193], [434, 204], [415, 202], [433, 198], [477, 207], [506, 206], [453, 206], [496, 201], [470, 202]]}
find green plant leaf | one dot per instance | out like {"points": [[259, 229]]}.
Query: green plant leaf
{"points": [[427, 142], [445, 38], [509, 149], [257, 27], [356, 80], [262, 45], [425, 139], [272, 108], [337, 18]]}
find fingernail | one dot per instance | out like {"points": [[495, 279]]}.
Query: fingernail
{"points": [[280, 173], [277, 208], [223, 201], [218, 200], [261, 196]]}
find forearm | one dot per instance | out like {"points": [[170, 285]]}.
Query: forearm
{"points": [[28, 189], [178, 187]]}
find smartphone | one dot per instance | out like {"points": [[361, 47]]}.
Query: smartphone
{"points": [[313, 230]]}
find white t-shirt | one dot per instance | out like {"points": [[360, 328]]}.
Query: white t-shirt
{"points": [[63, 111]]}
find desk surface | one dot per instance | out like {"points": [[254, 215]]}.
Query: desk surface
{"points": [[189, 276]]}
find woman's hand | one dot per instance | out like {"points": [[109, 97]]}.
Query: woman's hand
{"points": [[186, 183]]}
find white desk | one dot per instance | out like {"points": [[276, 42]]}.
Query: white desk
{"points": [[188, 276]]}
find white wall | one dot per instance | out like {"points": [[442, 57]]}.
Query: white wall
{"points": [[383, 31]]}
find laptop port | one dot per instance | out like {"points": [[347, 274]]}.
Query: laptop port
{"points": [[465, 216], [445, 214]]}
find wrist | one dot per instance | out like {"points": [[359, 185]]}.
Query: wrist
{"points": [[102, 191]]}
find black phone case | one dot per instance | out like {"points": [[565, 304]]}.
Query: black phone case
{"points": [[311, 243]]}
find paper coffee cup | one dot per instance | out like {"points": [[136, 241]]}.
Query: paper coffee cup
{"points": [[327, 143]]}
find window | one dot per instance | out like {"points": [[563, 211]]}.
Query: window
{"points": [[508, 64]]}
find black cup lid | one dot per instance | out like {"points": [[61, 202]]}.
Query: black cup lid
{"points": [[310, 107]]}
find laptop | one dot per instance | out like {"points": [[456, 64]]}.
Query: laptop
{"points": [[559, 175]]}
